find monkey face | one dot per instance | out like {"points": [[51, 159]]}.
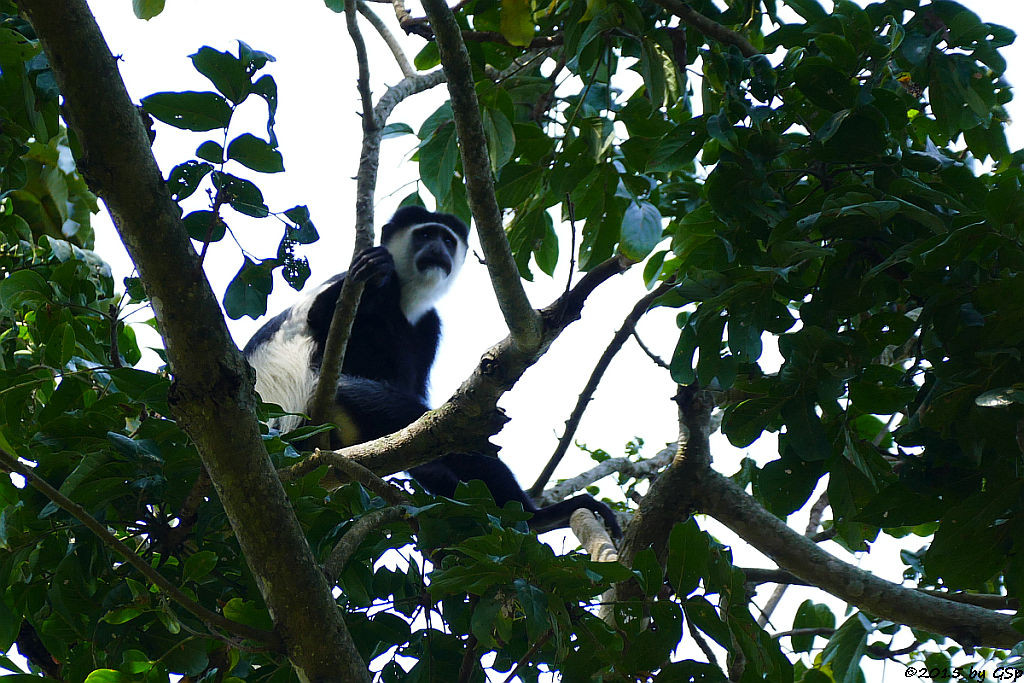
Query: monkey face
{"points": [[434, 246]]}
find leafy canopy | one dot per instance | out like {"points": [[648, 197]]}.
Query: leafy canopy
{"points": [[829, 198]]}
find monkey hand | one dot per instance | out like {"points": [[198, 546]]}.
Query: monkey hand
{"points": [[373, 266]]}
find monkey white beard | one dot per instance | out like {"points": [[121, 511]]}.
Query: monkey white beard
{"points": [[421, 293]]}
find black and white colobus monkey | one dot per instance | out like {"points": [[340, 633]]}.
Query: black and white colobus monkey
{"points": [[383, 386]]}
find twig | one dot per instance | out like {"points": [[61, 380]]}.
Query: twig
{"points": [[189, 512], [702, 644], [523, 322], [355, 536], [389, 38], [813, 522], [758, 575], [538, 42], [529, 653], [618, 339], [410, 24], [825, 535], [468, 660], [10, 463], [650, 354], [708, 27], [570, 207], [822, 631], [352, 470], [882, 652], [986, 600], [631, 468]]}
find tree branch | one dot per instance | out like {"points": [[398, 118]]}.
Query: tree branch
{"points": [[618, 339], [710, 28], [350, 469], [523, 322], [589, 529], [407, 87], [672, 496], [351, 290], [969, 625], [189, 512], [650, 354], [389, 38], [212, 395], [9, 462], [470, 416], [632, 468], [355, 536]]}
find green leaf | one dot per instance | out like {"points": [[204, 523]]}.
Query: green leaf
{"points": [[337, 6], [184, 178], [304, 231], [439, 157], [107, 676], [198, 111], [974, 539], [60, 346], [845, 649], [810, 10], [10, 623], [254, 60], [641, 230], [241, 194], [824, 84], [687, 557], [266, 87], [254, 153], [744, 422], [810, 615], [1002, 397], [225, 71], [394, 130], [881, 390], [199, 565], [15, 47], [427, 58], [147, 9], [500, 136], [121, 616], [24, 287], [205, 226], [517, 21], [247, 612], [705, 617], [648, 572], [211, 151], [248, 291]]}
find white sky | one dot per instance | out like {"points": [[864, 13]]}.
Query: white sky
{"points": [[319, 136]]}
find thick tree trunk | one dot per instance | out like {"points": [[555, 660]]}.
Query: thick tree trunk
{"points": [[213, 386]]}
